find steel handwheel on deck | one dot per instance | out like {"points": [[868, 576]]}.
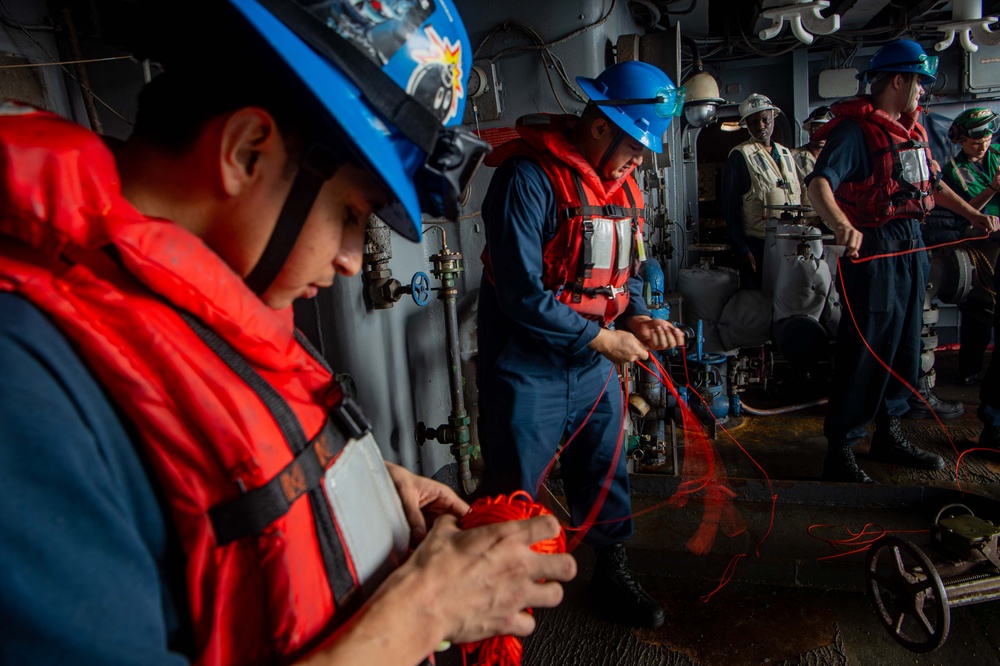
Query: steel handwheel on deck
{"points": [[908, 594]]}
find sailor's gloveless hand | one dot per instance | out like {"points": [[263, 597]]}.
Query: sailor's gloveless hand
{"points": [[655, 334], [619, 346], [424, 500], [476, 583]]}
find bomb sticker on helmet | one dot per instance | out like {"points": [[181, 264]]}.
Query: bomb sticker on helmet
{"points": [[437, 81]]}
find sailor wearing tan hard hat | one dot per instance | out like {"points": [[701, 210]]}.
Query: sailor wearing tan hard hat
{"points": [[759, 173]]}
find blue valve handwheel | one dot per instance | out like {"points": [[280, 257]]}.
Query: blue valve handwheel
{"points": [[420, 288]]}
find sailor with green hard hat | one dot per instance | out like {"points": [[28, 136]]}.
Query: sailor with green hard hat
{"points": [[974, 174]]}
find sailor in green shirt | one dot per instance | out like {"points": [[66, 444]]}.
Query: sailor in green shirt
{"points": [[975, 175]]}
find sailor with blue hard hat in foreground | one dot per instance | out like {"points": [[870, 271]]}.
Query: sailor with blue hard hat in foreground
{"points": [[183, 477], [564, 221], [873, 184]]}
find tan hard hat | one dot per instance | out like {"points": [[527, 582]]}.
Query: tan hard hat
{"points": [[756, 103]]}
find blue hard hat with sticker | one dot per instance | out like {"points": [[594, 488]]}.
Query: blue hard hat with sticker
{"points": [[391, 74]]}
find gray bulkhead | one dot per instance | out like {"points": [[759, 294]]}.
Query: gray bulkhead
{"points": [[396, 357]]}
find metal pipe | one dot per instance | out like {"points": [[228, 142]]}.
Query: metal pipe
{"points": [[447, 266], [381, 289], [459, 417], [782, 410], [454, 351]]}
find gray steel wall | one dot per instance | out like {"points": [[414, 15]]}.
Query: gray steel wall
{"points": [[396, 357]]}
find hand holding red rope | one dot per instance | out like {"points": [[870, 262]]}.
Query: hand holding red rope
{"points": [[505, 650]]}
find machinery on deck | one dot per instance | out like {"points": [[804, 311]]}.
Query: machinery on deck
{"points": [[914, 589]]}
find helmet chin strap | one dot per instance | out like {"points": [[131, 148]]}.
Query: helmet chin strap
{"points": [[315, 168], [612, 148]]}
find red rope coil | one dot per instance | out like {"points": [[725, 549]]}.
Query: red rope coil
{"points": [[505, 650]]}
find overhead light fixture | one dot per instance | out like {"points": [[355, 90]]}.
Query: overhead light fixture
{"points": [[730, 126], [968, 22], [805, 19], [702, 99]]}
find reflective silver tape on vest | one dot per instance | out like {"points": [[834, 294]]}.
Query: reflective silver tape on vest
{"points": [[914, 166], [368, 511], [612, 243], [624, 231], [603, 243]]}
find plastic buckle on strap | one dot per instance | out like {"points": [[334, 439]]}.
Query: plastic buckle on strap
{"points": [[350, 419], [587, 259]]}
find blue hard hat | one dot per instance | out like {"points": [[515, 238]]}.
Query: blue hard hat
{"points": [[637, 97], [902, 55], [392, 75]]}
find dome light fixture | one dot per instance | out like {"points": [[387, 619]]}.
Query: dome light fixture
{"points": [[703, 99]]}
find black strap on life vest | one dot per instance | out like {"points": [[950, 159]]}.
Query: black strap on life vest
{"points": [[312, 351], [586, 267], [593, 291], [634, 212], [607, 210], [254, 510]]}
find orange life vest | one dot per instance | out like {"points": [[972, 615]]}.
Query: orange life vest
{"points": [[900, 184], [589, 261], [239, 421]]}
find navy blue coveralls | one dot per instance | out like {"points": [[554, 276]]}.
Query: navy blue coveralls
{"points": [[537, 377], [91, 571], [886, 297]]}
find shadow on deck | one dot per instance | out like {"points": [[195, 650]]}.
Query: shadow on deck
{"points": [[787, 601]]}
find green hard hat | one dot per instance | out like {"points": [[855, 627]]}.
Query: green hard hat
{"points": [[973, 124]]}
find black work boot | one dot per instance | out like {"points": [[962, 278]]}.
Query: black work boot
{"points": [[617, 595], [989, 438], [842, 467], [945, 409], [890, 445]]}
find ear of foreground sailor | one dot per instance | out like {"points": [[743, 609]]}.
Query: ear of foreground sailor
{"points": [[878, 210], [552, 324], [183, 479]]}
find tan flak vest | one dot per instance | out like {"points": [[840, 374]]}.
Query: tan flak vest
{"points": [[770, 184], [805, 162]]}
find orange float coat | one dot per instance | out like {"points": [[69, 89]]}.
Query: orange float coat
{"points": [[130, 291], [588, 262]]}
